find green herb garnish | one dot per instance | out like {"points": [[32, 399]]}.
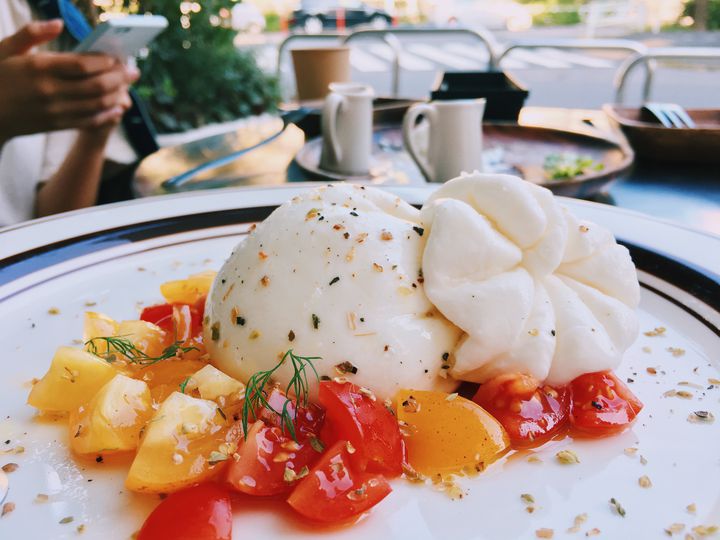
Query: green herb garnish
{"points": [[256, 394], [121, 345], [566, 165], [183, 385]]}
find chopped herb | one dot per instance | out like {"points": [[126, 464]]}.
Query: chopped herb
{"points": [[567, 165], [315, 321], [354, 214], [66, 520], [7, 508], [317, 445], [334, 280], [597, 405], [216, 457], [445, 357], [618, 507], [659, 331], [527, 498], [419, 230], [705, 530], [124, 347], [99, 459], [701, 417], [215, 331], [675, 528], [299, 387], [567, 457], [240, 321], [183, 385], [345, 367]]}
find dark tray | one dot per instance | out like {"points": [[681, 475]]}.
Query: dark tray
{"points": [[507, 148], [505, 95]]}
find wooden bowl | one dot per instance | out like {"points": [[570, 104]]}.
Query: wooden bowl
{"points": [[679, 145]]}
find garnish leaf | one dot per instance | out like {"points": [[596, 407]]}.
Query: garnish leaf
{"points": [[121, 345], [299, 387]]}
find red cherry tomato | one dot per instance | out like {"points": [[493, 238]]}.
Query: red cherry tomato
{"points": [[308, 420], [335, 490], [263, 459], [602, 404], [182, 322], [530, 414], [200, 512], [159, 315], [370, 427]]}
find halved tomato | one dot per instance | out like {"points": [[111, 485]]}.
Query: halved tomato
{"points": [[335, 491], [182, 322], [354, 415], [160, 315], [268, 462], [602, 404], [307, 421], [530, 414], [201, 512]]}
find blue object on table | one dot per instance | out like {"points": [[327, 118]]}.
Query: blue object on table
{"points": [[139, 128]]}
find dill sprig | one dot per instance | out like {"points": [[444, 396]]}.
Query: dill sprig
{"points": [[121, 345], [256, 393]]}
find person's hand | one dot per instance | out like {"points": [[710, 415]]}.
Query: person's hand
{"points": [[48, 91]]}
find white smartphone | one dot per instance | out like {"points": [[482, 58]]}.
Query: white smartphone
{"points": [[123, 37]]}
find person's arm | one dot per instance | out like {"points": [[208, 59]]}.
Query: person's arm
{"points": [[49, 91], [76, 183]]}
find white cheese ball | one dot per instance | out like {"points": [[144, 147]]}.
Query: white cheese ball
{"points": [[535, 289], [335, 273]]}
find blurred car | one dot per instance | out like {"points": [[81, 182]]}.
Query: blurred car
{"points": [[490, 14], [247, 18], [315, 19]]}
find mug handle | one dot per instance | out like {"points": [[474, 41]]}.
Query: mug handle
{"points": [[329, 124], [409, 125]]}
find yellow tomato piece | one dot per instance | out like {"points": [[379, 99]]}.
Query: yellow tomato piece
{"points": [[181, 446], [144, 335], [213, 384], [166, 376], [188, 291], [74, 377], [112, 420], [98, 325], [448, 434]]}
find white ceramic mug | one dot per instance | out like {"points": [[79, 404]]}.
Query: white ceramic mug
{"points": [[454, 142], [347, 128]]}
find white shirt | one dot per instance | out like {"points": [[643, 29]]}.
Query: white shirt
{"points": [[26, 162]]}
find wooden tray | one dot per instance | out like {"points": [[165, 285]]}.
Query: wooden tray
{"points": [[652, 141], [508, 148]]}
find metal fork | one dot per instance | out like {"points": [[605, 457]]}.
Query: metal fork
{"points": [[670, 115]]}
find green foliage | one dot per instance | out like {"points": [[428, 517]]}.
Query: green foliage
{"points": [[272, 22], [193, 74], [713, 21], [556, 12]]}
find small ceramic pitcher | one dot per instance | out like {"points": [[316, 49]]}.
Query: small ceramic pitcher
{"points": [[452, 137], [347, 128]]}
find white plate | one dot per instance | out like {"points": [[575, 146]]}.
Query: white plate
{"points": [[117, 256]]}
